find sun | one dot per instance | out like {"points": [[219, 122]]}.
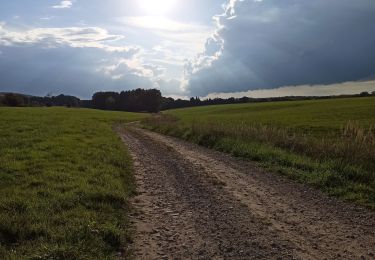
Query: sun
{"points": [[157, 7]]}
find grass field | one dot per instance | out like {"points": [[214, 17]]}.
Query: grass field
{"points": [[327, 143], [65, 177]]}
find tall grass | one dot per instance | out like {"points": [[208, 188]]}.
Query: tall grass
{"points": [[354, 145]]}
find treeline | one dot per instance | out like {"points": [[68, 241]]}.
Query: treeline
{"points": [[170, 103], [19, 100], [139, 100]]}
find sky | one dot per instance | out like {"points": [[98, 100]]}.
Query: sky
{"points": [[205, 48]]}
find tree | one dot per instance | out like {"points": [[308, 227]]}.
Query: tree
{"points": [[364, 94], [14, 100], [99, 99], [110, 103], [63, 100], [152, 100], [139, 100]]}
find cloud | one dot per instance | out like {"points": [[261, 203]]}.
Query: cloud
{"points": [[34, 69], [134, 66], [76, 61], [64, 5], [125, 68], [347, 88], [172, 43], [170, 87], [76, 37], [46, 18], [181, 39], [272, 43], [159, 23]]}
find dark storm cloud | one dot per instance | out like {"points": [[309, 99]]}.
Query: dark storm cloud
{"points": [[273, 43], [76, 61], [38, 70]]}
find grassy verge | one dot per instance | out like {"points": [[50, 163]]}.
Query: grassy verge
{"points": [[65, 177], [327, 143]]}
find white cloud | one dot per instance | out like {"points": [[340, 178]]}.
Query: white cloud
{"points": [[170, 87], [136, 66], [76, 37], [64, 5], [46, 18], [133, 66], [159, 23], [177, 41], [174, 42]]}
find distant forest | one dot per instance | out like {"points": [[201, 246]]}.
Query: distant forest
{"points": [[139, 100], [20, 100]]}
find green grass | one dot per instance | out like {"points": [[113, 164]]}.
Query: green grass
{"points": [[65, 177], [327, 143]]}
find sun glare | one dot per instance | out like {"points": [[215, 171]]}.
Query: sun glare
{"points": [[157, 7]]}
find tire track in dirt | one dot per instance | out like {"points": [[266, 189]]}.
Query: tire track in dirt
{"points": [[194, 203]]}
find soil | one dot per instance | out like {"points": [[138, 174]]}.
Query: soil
{"points": [[195, 203]]}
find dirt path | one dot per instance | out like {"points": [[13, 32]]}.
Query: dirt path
{"points": [[195, 203]]}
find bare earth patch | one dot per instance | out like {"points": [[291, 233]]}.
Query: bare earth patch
{"points": [[195, 203]]}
